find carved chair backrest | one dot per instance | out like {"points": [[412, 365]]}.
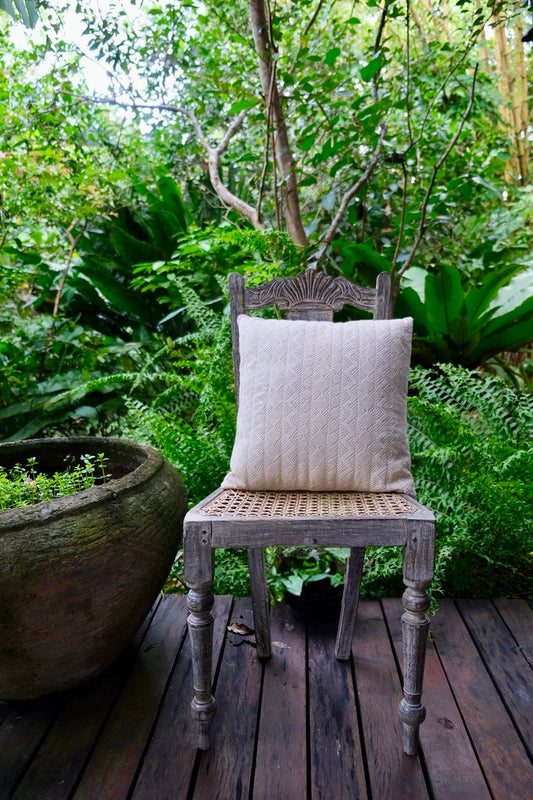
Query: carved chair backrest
{"points": [[309, 295]]}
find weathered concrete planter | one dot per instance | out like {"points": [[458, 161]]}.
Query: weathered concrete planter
{"points": [[79, 574]]}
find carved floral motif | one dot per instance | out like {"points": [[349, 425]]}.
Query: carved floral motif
{"points": [[310, 287]]}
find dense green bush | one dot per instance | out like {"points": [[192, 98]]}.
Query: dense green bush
{"points": [[472, 451]]}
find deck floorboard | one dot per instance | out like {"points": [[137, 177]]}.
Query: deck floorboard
{"points": [[301, 726]]}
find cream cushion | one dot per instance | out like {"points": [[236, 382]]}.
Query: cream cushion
{"points": [[322, 406]]}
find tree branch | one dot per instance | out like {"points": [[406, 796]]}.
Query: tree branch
{"points": [[422, 224], [349, 195], [73, 242]]}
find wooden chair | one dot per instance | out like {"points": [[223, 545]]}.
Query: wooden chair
{"points": [[256, 519]]}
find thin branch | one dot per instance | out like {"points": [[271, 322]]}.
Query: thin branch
{"points": [[348, 196], [453, 141], [377, 45], [306, 30], [219, 11], [266, 148], [73, 241], [439, 91], [408, 71], [403, 217], [312, 19]]}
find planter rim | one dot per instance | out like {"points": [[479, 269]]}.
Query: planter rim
{"points": [[47, 511]]}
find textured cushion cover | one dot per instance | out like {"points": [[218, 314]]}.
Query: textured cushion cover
{"points": [[322, 406]]}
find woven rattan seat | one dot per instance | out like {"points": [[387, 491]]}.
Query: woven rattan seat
{"points": [[234, 503], [232, 517]]}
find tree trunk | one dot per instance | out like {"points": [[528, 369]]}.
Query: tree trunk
{"points": [[260, 19], [520, 104], [512, 84]]}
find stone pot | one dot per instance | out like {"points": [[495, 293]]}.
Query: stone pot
{"points": [[79, 574]]}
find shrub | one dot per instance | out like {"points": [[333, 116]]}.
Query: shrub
{"points": [[472, 454]]}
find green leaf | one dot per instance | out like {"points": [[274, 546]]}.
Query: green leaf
{"points": [[444, 297], [26, 8], [373, 66], [332, 55], [307, 142], [294, 584], [243, 105]]}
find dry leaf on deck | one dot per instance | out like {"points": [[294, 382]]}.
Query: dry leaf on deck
{"points": [[240, 628]]}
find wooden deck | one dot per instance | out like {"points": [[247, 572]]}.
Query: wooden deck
{"points": [[303, 726]]}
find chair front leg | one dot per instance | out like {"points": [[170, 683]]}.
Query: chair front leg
{"points": [[418, 570], [415, 627], [198, 559], [200, 622]]}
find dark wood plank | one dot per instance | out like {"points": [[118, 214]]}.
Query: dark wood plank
{"points": [[281, 761], [169, 763], [335, 747], [114, 762], [54, 772], [518, 616], [492, 732], [505, 661], [451, 762], [226, 770], [392, 774], [21, 733]]}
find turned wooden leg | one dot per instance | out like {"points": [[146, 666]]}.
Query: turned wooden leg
{"points": [[418, 567], [350, 600], [256, 563], [200, 622], [415, 627], [198, 562]]}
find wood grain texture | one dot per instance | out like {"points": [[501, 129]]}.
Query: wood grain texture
{"points": [[505, 661], [168, 764], [221, 774], [336, 751], [55, 770], [494, 737], [115, 760], [48, 744], [518, 616], [281, 761]]}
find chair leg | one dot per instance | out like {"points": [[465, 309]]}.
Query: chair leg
{"points": [[198, 562], [418, 568], [260, 605], [350, 600], [200, 622], [415, 627]]}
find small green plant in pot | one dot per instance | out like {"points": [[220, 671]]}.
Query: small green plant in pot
{"points": [[25, 485]]}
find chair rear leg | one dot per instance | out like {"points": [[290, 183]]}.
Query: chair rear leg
{"points": [[260, 604], [350, 600]]}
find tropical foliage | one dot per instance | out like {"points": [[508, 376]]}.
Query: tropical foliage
{"points": [[163, 145]]}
